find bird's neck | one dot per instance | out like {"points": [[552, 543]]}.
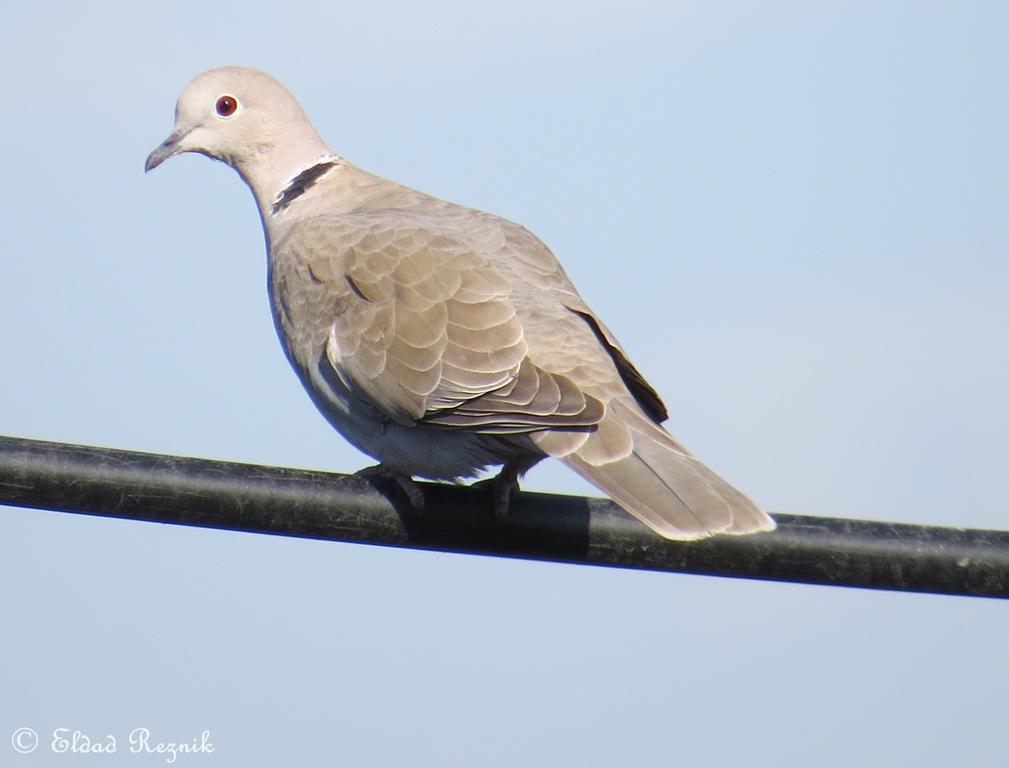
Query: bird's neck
{"points": [[301, 182], [280, 173]]}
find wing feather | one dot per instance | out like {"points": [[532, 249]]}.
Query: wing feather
{"points": [[429, 333]]}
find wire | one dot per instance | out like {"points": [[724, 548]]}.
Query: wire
{"points": [[569, 529]]}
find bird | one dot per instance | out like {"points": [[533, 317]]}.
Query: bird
{"points": [[441, 340]]}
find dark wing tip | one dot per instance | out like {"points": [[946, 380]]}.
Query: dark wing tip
{"points": [[642, 391]]}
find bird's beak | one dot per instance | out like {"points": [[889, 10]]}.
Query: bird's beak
{"points": [[166, 149]]}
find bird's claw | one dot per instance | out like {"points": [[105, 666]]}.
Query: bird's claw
{"points": [[502, 486], [383, 474]]}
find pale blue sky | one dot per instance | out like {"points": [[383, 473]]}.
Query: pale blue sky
{"points": [[794, 216]]}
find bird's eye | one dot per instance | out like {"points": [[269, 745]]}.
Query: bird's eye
{"points": [[226, 106]]}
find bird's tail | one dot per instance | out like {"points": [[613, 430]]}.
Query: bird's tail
{"points": [[639, 465]]}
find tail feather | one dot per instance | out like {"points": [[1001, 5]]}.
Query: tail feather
{"points": [[658, 481]]}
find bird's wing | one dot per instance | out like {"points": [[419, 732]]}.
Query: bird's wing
{"points": [[427, 330]]}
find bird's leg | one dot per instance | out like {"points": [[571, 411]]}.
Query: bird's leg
{"points": [[403, 481], [504, 484]]}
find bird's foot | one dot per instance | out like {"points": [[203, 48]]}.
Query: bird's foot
{"points": [[502, 486], [403, 481]]}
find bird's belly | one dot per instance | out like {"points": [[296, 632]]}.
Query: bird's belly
{"points": [[436, 454]]}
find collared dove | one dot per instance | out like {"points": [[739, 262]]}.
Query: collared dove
{"points": [[439, 339]]}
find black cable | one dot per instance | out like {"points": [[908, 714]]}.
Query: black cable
{"points": [[571, 529]]}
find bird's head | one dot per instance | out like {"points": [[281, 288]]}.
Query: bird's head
{"points": [[246, 119]]}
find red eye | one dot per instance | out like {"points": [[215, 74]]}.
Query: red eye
{"points": [[226, 106]]}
